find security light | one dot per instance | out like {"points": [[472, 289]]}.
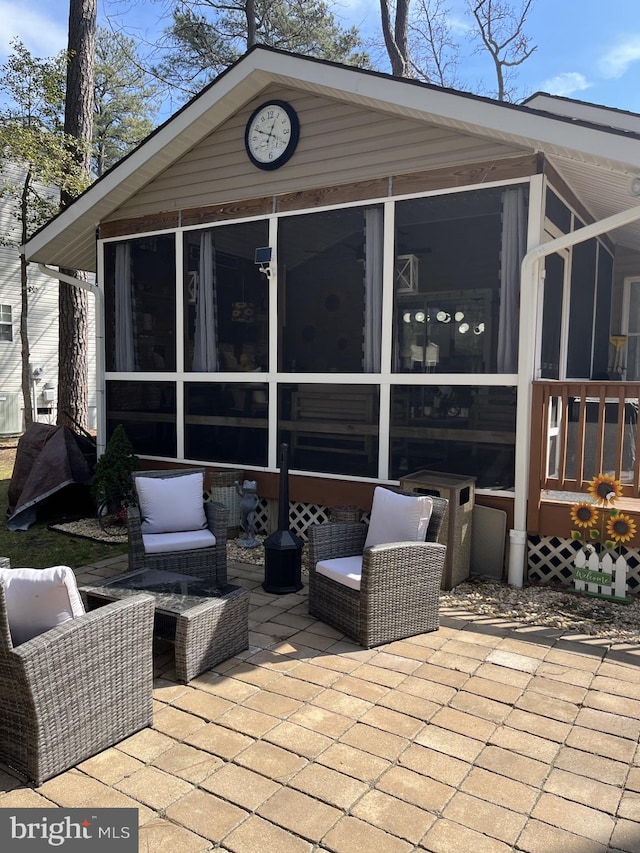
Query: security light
{"points": [[263, 260]]}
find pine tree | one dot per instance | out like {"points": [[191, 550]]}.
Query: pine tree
{"points": [[73, 379]]}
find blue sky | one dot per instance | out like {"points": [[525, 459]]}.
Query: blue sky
{"points": [[587, 49]]}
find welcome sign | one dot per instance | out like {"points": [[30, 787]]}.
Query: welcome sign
{"points": [[589, 576]]}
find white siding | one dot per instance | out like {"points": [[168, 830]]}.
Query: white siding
{"points": [[43, 332], [338, 144]]}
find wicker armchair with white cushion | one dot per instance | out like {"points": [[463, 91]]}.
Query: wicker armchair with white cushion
{"points": [[71, 683], [380, 583], [172, 527]]}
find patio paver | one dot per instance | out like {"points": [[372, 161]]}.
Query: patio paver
{"points": [[481, 736]]}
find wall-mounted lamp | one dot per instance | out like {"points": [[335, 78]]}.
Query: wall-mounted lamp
{"points": [[263, 260]]}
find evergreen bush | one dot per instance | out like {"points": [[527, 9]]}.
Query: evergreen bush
{"points": [[111, 479]]}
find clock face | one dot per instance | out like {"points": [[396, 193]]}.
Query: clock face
{"points": [[272, 134]]}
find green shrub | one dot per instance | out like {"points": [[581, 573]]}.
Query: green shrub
{"points": [[111, 479]]}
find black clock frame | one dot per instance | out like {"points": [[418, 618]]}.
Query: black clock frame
{"points": [[293, 139]]}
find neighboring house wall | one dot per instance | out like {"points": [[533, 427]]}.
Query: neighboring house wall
{"points": [[43, 335]]}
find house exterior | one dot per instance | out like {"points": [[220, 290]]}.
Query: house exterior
{"points": [[378, 272], [42, 328]]}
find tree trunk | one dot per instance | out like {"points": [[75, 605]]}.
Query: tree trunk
{"points": [[73, 372], [252, 28], [24, 312], [74, 303], [395, 38]]}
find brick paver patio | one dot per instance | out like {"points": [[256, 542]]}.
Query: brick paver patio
{"points": [[483, 736]]}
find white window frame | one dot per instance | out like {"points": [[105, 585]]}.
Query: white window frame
{"points": [[6, 309]]}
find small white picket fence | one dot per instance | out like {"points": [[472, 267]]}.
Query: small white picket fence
{"points": [[601, 575]]}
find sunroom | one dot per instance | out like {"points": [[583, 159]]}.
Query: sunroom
{"points": [[364, 302]]}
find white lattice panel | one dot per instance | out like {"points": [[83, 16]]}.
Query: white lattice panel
{"points": [[550, 559], [301, 517], [263, 517]]}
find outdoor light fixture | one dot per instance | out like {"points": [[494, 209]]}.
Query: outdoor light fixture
{"points": [[420, 317], [479, 329], [407, 316], [463, 328], [459, 315], [443, 317], [263, 260]]}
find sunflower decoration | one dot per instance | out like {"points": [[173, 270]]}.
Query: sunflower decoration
{"points": [[605, 489], [600, 525], [621, 528], [584, 514]]}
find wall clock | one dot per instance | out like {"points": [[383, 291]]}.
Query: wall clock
{"points": [[272, 134]]}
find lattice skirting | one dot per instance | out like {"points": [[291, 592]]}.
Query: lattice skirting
{"points": [[301, 516], [550, 559]]}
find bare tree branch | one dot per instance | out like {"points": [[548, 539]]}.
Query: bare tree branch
{"points": [[434, 52], [501, 31]]}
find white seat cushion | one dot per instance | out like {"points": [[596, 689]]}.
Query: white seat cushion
{"points": [[171, 504], [398, 518], [344, 570], [158, 543], [39, 599]]}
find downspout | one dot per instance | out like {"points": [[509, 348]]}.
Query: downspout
{"points": [[99, 305], [529, 280]]}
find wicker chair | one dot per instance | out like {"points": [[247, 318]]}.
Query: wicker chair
{"points": [[76, 689], [399, 588], [209, 563]]}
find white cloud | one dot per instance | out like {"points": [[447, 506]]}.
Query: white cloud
{"points": [[565, 84], [43, 30], [618, 59]]}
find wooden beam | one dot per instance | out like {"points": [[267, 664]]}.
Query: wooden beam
{"points": [[466, 175], [450, 176]]}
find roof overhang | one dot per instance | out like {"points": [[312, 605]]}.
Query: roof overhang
{"points": [[598, 162]]}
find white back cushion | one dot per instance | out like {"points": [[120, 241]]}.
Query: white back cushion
{"points": [[39, 599], [171, 504], [398, 518]]}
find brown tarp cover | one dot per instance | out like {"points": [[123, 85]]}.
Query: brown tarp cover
{"points": [[48, 459]]}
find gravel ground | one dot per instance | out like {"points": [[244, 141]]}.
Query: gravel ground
{"points": [[550, 607]]}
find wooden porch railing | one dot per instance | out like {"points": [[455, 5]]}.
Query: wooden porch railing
{"points": [[580, 429]]}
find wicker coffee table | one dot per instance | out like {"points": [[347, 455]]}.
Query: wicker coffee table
{"points": [[207, 624]]}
